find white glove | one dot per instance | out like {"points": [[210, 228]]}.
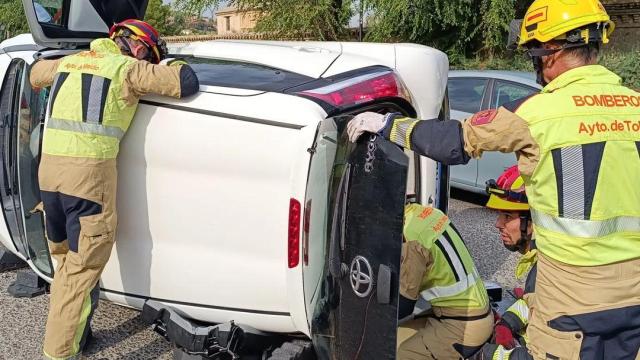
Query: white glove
{"points": [[368, 121]]}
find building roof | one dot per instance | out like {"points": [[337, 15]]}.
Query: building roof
{"points": [[227, 10]]}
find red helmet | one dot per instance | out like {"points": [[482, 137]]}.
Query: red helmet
{"points": [[140, 30], [508, 192]]}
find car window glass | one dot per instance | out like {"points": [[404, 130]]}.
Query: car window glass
{"points": [[30, 121], [506, 92], [9, 107], [466, 94], [316, 210], [242, 75], [49, 11]]}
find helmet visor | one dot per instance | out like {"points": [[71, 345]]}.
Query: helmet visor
{"points": [[494, 189], [134, 47]]}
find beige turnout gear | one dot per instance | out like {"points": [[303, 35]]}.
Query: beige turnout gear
{"points": [[93, 100], [437, 267]]}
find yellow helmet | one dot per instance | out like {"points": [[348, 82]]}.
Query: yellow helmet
{"points": [[508, 192], [572, 20]]}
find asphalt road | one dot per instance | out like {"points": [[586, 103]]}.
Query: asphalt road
{"points": [[120, 333]]}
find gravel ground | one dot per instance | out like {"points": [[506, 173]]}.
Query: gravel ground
{"points": [[120, 333], [477, 226]]}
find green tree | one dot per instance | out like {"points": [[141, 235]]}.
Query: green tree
{"points": [[12, 19], [459, 27], [462, 28], [167, 20], [497, 14], [449, 25], [316, 19]]}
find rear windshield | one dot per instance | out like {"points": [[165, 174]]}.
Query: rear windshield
{"points": [[242, 75]]}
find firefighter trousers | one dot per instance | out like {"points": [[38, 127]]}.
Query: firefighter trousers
{"points": [[79, 198], [585, 312], [443, 338]]}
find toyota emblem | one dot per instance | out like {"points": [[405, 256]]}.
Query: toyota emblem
{"points": [[361, 277]]}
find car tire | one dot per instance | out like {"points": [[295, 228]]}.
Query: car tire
{"points": [[293, 350]]}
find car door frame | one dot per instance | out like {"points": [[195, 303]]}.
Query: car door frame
{"points": [[483, 105], [480, 187], [488, 103], [487, 100], [12, 223], [19, 233]]}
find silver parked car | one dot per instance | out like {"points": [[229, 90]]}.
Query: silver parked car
{"points": [[473, 91]]}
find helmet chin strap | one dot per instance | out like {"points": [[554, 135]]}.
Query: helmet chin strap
{"points": [[536, 54], [537, 67]]}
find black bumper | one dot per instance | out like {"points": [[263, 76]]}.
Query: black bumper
{"points": [[224, 341]]}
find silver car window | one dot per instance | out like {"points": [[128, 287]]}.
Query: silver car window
{"points": [[506, 92], [466, 94]]}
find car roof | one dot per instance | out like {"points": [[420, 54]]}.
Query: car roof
{"points": [[523, 77], [18, 40]]}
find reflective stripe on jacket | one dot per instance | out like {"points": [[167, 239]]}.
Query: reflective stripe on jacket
{"points": [[448, 277]]}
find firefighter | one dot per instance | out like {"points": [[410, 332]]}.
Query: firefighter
{"points": [[578, 150], [508, 196], [437, 267], [93, 99]]}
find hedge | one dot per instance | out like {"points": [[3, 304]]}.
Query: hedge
{"points": [[625, 64]]}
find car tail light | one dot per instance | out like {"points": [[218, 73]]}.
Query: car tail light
{"points": [[361, 89], [294, 233]]}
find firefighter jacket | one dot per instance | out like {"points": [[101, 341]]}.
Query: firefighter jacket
{"points": [[95, 94], [517, 315], [437, 265], [578, 149]]}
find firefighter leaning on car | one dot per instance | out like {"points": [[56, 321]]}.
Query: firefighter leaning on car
{"points": [[94, 97], [437, 266], [578, 150], [508, 196]]}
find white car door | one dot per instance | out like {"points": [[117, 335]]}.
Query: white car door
{"points": [[72, 24]]}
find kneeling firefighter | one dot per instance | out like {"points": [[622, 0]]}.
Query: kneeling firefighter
{"points": [[93, 100], [437, 266], [508, 196]]}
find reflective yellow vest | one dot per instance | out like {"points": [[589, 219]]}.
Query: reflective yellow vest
{"points": [[452, 280], [88, 117], [585, 192]]}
